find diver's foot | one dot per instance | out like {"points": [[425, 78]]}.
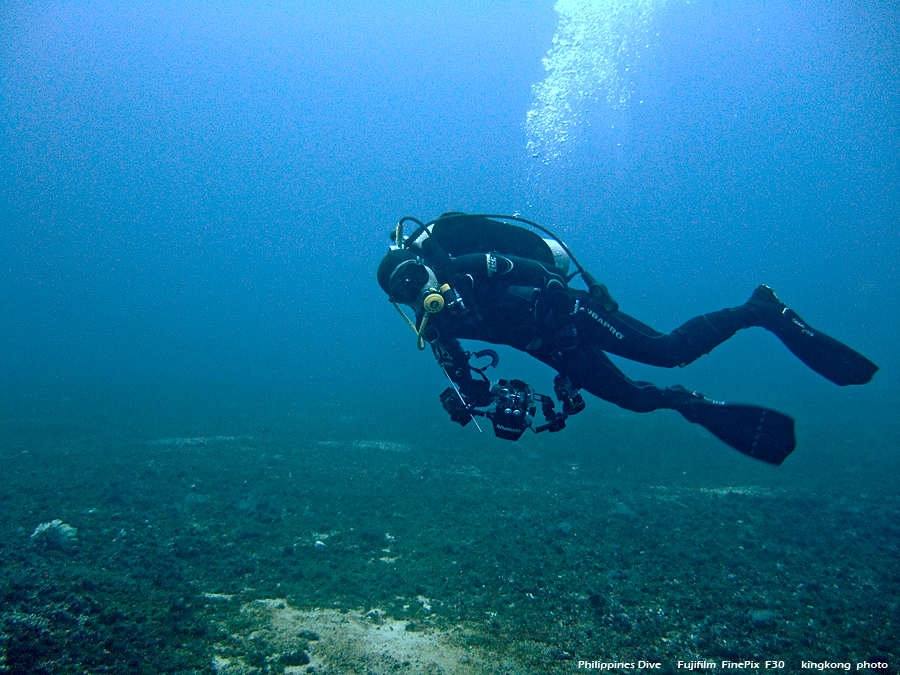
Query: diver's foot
{"points": [[683, 400], [766, 307]]}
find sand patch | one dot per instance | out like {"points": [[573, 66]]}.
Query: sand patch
{"points": [[747, 490], [351, 643], [199, 440], [377, 446]]}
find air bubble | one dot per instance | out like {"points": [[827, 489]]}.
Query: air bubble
{"points": [[590, 59]]}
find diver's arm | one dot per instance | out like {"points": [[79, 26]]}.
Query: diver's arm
{"points": [[507, 270], [454, 360]]}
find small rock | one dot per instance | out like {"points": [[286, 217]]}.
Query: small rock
{"points": [[762, 617], [298, 657], [56, 535]]}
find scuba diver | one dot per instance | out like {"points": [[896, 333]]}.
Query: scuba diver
{"points": [[479, 277]]}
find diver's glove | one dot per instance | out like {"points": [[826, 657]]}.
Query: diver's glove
{"points": [[568, 395], [461, 403], [453, 404]]}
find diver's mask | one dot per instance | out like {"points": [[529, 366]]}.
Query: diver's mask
{"points": [[413, 282]]}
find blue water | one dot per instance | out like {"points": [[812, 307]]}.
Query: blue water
{"points": [[194, 197]]}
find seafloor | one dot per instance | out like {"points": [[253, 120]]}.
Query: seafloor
{"points": [[288, 536]]}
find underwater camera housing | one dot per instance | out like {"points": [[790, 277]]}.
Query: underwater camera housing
{"points": [[513, 408], [513, 404]]}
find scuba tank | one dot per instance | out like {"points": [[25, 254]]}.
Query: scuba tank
{"points": [[459, 234]]}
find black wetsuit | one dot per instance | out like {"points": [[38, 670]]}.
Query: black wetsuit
{"points": [[530, 308]]}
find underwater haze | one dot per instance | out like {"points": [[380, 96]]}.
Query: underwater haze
{"points": [[223, 451]]}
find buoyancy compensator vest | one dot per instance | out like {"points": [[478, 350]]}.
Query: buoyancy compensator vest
{"points": [[454, 234]]}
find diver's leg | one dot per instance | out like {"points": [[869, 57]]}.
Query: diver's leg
{"points": [[623, 335], [761, 433], [590, 369], [620, 334]]}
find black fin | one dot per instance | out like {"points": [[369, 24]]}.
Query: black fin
{"points": [[831, 359], [763, 434]]}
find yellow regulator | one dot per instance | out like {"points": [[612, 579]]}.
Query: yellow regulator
{"points": [[433, 302]]}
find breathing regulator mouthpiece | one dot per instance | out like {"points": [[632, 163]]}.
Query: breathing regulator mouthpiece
{"points": [[434, 301]]}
